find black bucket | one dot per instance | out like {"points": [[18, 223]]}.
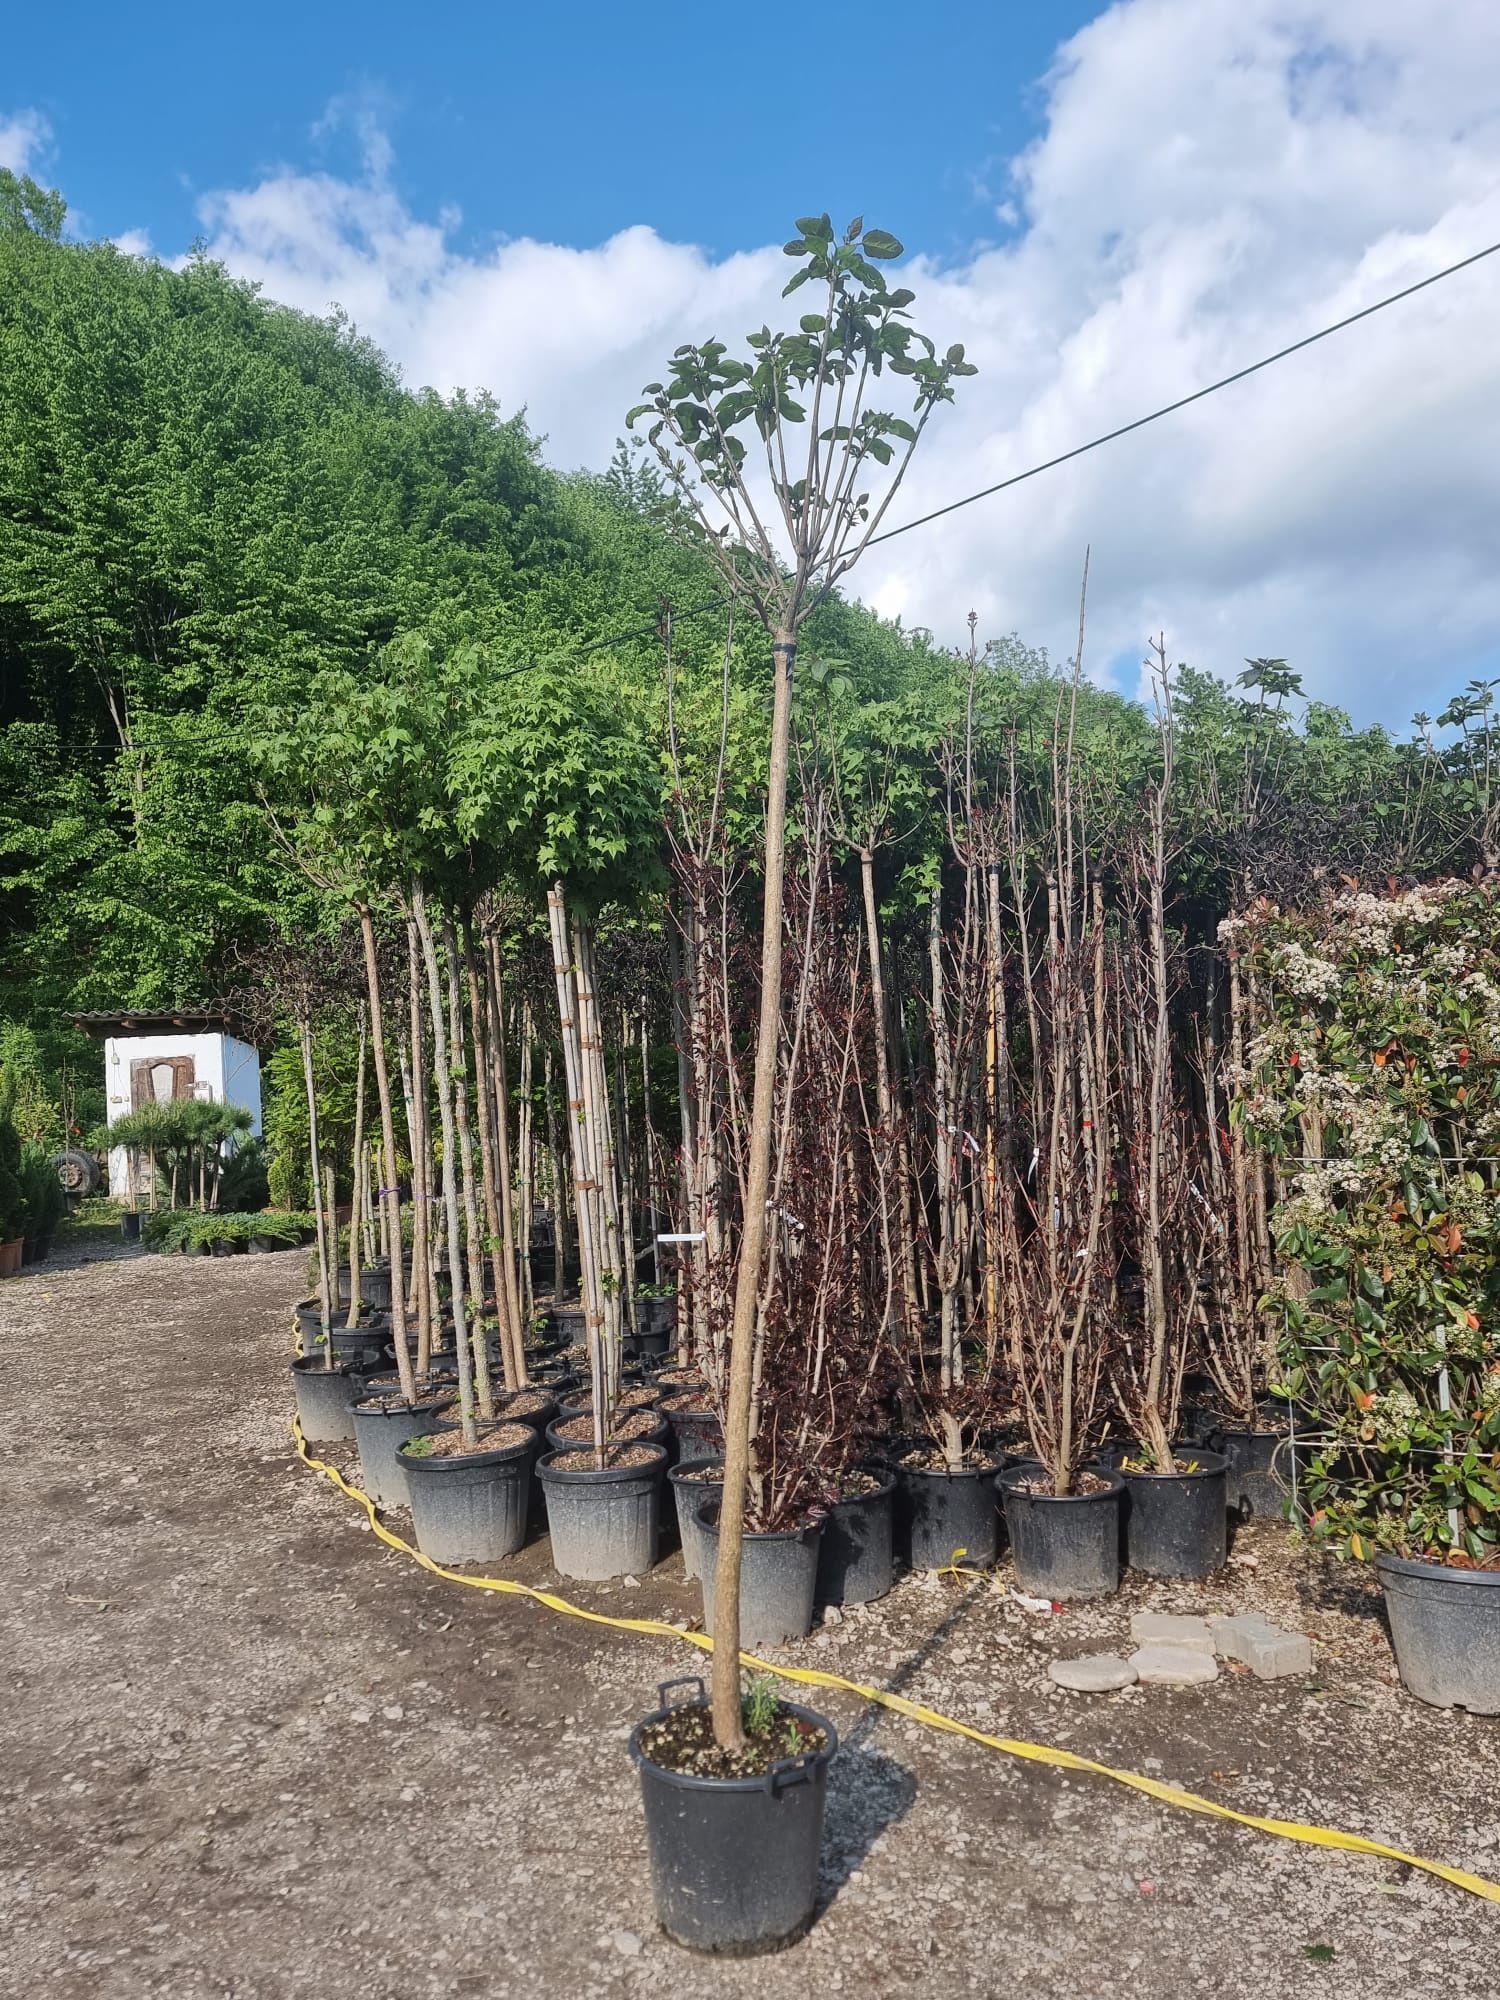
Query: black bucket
{"points": [[380, 1434], [689, 1495], [857, 1556], [696, 1434], [658, 1433], [734, 1861], [472, 1508], [1065, 1546], [1256, 1483], [602, 1524], [323, 1401], [130, 1225], [1445, 1628], [778, 1578], [939, 1513], [1177, 1523]]}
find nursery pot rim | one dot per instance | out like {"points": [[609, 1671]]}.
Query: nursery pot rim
{"points": [[887, 1476], [583, 1476], [991, 1469], [369, 1405], [785, 1772], [1009, 1477], [755, 1534], [463, 1460], [1220, 1464], [677, 1475], [1444, 1572]]}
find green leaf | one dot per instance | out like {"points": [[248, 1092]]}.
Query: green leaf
{"points": [[880, 243]]}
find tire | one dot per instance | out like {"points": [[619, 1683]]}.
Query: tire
{"points": [[78, 1172]]}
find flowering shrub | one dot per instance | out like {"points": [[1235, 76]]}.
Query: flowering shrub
{"points": [[1373, 1081]]}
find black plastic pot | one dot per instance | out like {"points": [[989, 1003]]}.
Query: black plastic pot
{"points": [[1065, 1546], [657, 1434], [380, 1434], [472, 1508], [1177, 1523], [130, 1224], [227, 1246], [857, 1555], [568, 1323], [602, 1524], [1256, 1483], [324, 1396], [539, 1418], [1445, 1628], [655, 1327], [375, 1285], [696, 1434], [734, 1861], [778, 1579], [940, 1512], [689, 1495]]}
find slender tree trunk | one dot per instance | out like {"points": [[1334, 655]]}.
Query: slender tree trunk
{"points": [[442, 1066], [474, 1263], [526, 1155], [320, 1225], [351, 1318], [727, 1718], [508, 1252], [584, 1186], [388, 1140], [421, 1157]]}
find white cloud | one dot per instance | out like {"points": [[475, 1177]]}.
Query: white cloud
{"points": [[1214, 178], [24, 136]]}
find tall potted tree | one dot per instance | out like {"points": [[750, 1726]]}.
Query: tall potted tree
{"points": [[782, 533]]}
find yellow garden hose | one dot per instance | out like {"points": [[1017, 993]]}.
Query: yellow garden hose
{"points": [[1035, 1753]]}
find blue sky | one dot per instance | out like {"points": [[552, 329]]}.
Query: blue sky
{"points": [[1110, 207], [567, 122]]}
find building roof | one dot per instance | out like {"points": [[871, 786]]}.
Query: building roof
{"points": [[152, 1021]]}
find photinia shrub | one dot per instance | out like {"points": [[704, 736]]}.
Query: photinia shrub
{"points": [[1373, 1082]]}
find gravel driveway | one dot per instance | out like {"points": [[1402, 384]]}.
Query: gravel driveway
{"points": [[249, 1752]]}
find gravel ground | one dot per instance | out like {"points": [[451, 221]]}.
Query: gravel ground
{"points": [[250, 1752]]}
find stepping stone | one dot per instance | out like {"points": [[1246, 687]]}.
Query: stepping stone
{"points": [[1264, 1648], [1174, 1666], [1171, 1628], [1093, 1673]]}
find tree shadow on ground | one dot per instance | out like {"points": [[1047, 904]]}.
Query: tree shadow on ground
{"points": [[868, 1790]]}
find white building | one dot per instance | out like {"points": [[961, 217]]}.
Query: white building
{"points": [[170, 1055]]}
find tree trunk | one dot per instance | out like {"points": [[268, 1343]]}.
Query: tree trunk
{"points": [[325, 1300], [357, 1206], [416, 1132], [473, 1265], [511, 1304], [440, 1063], [392, 1192], [727, 1719]]}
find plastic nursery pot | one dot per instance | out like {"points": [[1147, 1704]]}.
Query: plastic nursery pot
{"points": [[857, 1557], [602, 1524], [536, 1406], [324, 1399], [689, 1490], [1065, 1545], [568, 1324], [1255, 1483], [1177, 1523], [696, 1431], [576, 1433], [734, 1861], [381, 1426], [375, 1285], [130, 1225], [939, 1512], [471, 1507], [778, 1578], [1445, 1628]]}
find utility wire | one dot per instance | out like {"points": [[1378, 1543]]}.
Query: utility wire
{"points": [[1166, 410], [1062, 458]]}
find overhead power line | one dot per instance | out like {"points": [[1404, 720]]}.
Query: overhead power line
{"points": [[1166, 410]]}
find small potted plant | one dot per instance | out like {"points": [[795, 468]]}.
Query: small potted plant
{"points": [[734, 1836]]}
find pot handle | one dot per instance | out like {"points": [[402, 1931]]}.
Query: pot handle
{"points": [[664, 1688], [789, 1771]]}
